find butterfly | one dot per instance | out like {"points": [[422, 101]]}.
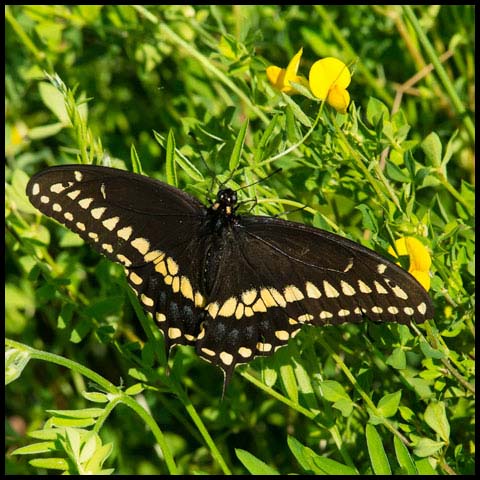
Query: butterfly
{"points": [[234, 286]]}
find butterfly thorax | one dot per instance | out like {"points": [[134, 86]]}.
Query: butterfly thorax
{"points": [[219, 236]]}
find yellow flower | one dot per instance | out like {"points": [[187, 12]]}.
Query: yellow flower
{"points": [[420, 260], [329, 79], [280, 78], [19, 133]]}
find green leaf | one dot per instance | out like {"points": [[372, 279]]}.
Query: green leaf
{"points": [[303, 90], [135, 389], [238, 147], [291, 125], [333, 391], [424, 467], [287, 374], [370, 221], [148, 354], [304, 455], [269, 376], [376, 111], [253, 464], [289, 381], [83, 413], [15, 362], [397, 359], [65, 316], [426, 447], [171, 170], [47, 433], [89, 447], [406, 413], [72, 422], [50, 463], [345, 406], [181, 160], [16, 197], [395, 173], [134, 158], [96, 397], [260, 148], [429, 351], [432, 147], [312, 462], [54, 100], [449, 149], [138, 375], [388, 404], [45, 131], [421, 386], [304, 384], [332, 467], [405, 334], [403, 456], [73, 442], [436, 418], [98, 458], [297, 111], [378, 457], [70, 239], [80, 330], [35, 448]]}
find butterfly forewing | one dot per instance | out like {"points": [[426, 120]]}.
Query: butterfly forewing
{"points": [[141, 223]]}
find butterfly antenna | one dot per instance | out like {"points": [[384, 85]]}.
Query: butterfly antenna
{"points": [[230, 176], [262, 179], [288, 212]]}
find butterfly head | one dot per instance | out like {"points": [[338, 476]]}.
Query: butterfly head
{"points": [[225, 202]]}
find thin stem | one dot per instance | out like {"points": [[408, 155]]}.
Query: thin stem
{"points": [[39, 55], [441, 72], [446, 184], [368, 401], [203, 60], [273, 393], [203, 430], [115, 394], [295, 145], [371, 179], [380, 90]]}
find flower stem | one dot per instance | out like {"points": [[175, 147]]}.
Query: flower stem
{"points": [[441, 72]]}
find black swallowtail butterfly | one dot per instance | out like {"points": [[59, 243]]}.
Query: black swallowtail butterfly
{"points": [[233, 286]]}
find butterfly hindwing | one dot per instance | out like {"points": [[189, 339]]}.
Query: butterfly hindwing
{"points": [[338, 280], [276, 276]]}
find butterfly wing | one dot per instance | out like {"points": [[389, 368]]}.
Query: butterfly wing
{"points": [[284, 274], [335, 274], [146, 225]]}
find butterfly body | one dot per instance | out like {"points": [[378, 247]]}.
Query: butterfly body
{"points": [[233, 286]]}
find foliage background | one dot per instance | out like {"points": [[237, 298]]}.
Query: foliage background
{"points": [[347, 393]]}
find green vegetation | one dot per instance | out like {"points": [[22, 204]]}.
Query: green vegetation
{"points": [[181, 93]]}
